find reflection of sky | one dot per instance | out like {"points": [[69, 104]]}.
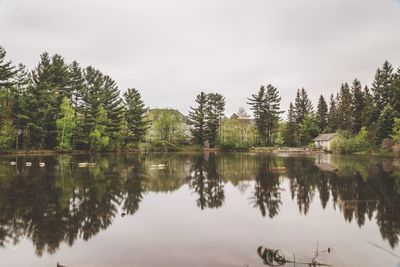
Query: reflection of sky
{"points": [[170, 230]]}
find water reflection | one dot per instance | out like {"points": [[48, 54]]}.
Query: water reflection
{"points": [[62, 202]]}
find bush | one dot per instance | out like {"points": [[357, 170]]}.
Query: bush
{"points": [[233, 146], [6, 136], [163, 146], [358, 143]]}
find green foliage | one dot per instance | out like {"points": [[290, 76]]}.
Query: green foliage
{"points": [[98, 137], [358, 143], [396, 130], [265, 106], [308, 129], [166, 125], [322, 114], [385, 124], [357, 104], [205, 119], [333, 120], [214, 111], [135, 115], [161, 146], [197, 119], [345, 108], [237, 134], [65, 124], [7, 136]]}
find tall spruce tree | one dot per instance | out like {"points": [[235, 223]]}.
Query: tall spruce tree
{"points": [[357, 104], [256, 103], [322, 114], [50, 83], [302, 108], [266, 107], [368, 112], [382, 87], [135, 115], [214, 111], [385, 124], [7, 70], [197, 119], [345, 108], [289, 135], [395, 96], [332, 116]]}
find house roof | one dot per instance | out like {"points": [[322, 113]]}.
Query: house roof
{"points": [[325, 137]]}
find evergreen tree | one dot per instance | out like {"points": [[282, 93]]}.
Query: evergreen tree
{"points": [[272, 112], [308, 129], [385, 124], [135, 115], [289, 135], [7, 70], [382, 87], [332, 116], [101, 90], [302, 108], [368, 112], [214, 111], [265, 105], [44, 96], [197, 119], [257, 106], [65, 124], [302, 105], [345, 108], [357, 104], [395, 96], [322, 114]]}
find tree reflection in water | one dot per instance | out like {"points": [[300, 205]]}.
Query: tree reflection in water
{"points": [[62, 203]]}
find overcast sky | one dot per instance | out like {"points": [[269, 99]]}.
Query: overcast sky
{"points": [[172, 50]]}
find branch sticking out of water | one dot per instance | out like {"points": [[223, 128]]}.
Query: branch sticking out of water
{"points": [[274, 257]]}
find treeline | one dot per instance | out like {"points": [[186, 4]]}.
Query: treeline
{"points": [[65, 106]]}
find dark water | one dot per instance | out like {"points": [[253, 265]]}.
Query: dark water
{"points": [[198, 210]]}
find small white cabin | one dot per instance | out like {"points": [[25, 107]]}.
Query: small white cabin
{"points": [[324, 141]]}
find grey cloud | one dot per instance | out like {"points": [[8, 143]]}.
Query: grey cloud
{"points": [[171, 50]]}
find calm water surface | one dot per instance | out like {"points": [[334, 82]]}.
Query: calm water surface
{"points": [[198, 210]]}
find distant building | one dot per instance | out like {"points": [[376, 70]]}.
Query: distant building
{"points": [[324, 141]]}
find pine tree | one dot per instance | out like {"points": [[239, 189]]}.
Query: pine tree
{"points": [[302, 108], [44, 96], [214, 111], [7, 70], [265, 105], [322, 114], [385, 124], [345, 108], [135, 115], [101, 90], [368, 112], [332, 116], [272, 112], [256, 103], [395, 96], [197, 119], [357, 105], [289, 135], [382, 87]]}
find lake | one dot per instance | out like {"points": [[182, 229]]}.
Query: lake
{"points": [[193, 209]]}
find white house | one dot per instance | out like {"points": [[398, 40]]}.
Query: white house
{"points": [[324, 141]]}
